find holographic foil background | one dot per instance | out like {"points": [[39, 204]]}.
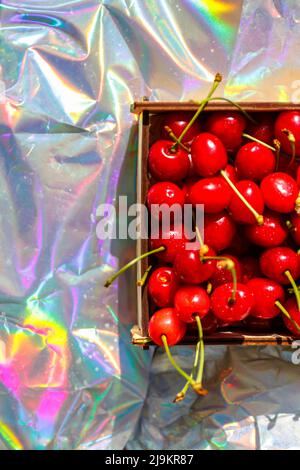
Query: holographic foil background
{"points": [[69, 378]]}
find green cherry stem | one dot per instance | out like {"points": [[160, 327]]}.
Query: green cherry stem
{"points": [[254, 139], [132, 263], [188, 378], [228, 264], [239, 107], [181, 395], [174, 138], [259, 218], [141, 282], [201, 362], [292, 141], [217, 80], [277, 146], [286, 314], [294, 286]]}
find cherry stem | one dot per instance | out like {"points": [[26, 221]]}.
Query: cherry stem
{"points": [[254, 139], [143, 279], [259, 218], [173, 137], [230, 265], [239, 107], [181, 395], [294, 286], [132, 263], [292, 141], [174, 363], [217, 80], [286, 314], [201, 362], [289, 225], [277, 146]]}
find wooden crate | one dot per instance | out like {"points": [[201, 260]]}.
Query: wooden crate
{"points": [[150, 114]]}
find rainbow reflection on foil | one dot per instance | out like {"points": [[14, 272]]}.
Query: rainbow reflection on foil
{"points": [[69, 377]]}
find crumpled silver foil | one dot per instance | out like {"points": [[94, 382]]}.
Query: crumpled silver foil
{"points": [[69, 377]]}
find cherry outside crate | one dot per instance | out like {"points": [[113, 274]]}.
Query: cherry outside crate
{"points": [[150, 115]]}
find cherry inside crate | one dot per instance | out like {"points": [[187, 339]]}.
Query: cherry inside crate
{"points": [[151, 116]]}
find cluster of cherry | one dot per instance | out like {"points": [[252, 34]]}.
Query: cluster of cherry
{"points": [[245, 171]]}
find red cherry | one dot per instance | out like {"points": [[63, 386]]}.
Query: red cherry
{"points": [[274, 262], [167, 165], [295, 230], [298, 176], [231, 173], [222, 275], [164, 193], [292, 308], [251, 192], [190, 269], [213, 192], [272, 232], [228, 126], [251, 268], [209, 155], [162, 286], [187, 186], [254, 161], [190, 301], [219, 230], [280, 192], [229, 311], [177, 122], [166, 322], [263, 130], [289, 120], [173, 240], [265, 293]]}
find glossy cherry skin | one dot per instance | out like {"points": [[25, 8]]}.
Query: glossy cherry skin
{"points": [[166, 322], [190, 301], [286, 165], [223, 275], [288, 120], [231, 173], [251, 192], [190, 269], [213, 192], [295, 230], [231, 312], [219, 230], [164, 193], [228, 126], [254, 161], [272, 232], [165, 165], [162, 285], [178, 122], [173, 240], [292, 308], [275, 261], [187, 186], [264, 128], [251, 268], [265, 293], [280, 192], [208, 154]]}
